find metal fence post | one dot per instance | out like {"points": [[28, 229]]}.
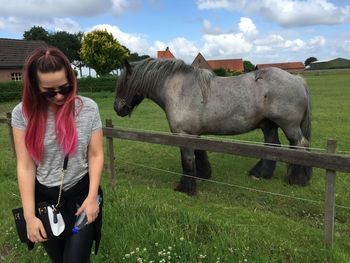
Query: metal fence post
{"points": [[8, 116], [329, 199], [110, 154]]}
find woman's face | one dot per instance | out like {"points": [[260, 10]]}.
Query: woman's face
{"points": [[54, 86]]}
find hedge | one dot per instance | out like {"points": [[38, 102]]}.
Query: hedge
{"points": [[13, 90]]}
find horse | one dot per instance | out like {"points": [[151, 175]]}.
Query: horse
{"points": [[197, 102]]}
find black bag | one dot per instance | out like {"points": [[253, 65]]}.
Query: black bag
{"points": [[46, 213], [41, 212]]}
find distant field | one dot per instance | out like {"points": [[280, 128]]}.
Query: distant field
{"points": [[235, 219]]}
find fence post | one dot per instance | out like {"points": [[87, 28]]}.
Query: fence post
{"points": [[110, 154], [329, 199], [8, 116]]}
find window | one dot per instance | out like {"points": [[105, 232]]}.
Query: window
{"points": [[16, 76]]}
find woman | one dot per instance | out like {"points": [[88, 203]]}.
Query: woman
{"points": [[50, 123]]}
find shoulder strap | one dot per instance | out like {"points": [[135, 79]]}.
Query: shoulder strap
{"points": [[65, 162]]}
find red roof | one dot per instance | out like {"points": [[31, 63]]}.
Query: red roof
{"points": [[227, 64], [165, 54], [288, 65]]}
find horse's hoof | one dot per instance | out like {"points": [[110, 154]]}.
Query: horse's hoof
{"points": [[190, 192], [203, 175], [297, 181], [255, 178], [254, 174], [299, 175]]}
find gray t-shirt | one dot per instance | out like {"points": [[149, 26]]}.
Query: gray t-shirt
{"points": [[48, 172]]}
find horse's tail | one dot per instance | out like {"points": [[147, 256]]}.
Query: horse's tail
{"points": [[306, 121]]}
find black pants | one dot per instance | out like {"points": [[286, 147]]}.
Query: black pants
{"points": [[75, 248]]}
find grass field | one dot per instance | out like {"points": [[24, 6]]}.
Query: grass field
{"points": [[234, 219]]}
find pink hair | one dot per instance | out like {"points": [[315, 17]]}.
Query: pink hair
{"points": [[35, 106]]}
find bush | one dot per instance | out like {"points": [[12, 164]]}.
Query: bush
{"points": [[12, 90], [90, 84], [226, 73]]}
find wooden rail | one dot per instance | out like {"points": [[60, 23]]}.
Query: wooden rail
{"points": [[330, 161]]}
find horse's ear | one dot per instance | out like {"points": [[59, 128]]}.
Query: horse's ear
{"points": [[127, 66]]}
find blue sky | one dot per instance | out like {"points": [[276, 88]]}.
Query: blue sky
{"points": [[262, 31]]}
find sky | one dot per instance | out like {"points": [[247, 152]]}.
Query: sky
{"points": [[261, 31]]}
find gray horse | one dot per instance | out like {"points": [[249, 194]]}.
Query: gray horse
{"points": [[197, 102]]}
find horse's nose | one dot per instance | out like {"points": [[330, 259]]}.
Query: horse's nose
{"points": [[120, 109], [116, 105]]}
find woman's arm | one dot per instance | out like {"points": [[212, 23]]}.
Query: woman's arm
{"points": [[26, 170], [95, 161]]}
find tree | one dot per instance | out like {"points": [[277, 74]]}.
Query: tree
{"points": [[220, 72], [134, 56], [79, 63], [36, 33], [102, 52], [248, 66], [309, 61], [69, 44]]}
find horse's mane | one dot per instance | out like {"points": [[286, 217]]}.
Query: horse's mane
{"points": [[151, 73]]}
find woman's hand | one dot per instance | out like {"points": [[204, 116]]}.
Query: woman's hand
{"points": [[91, 209], [35, 230]]}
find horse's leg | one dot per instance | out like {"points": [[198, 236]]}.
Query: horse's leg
{"points": [[203, 168], [297, 174], [265, 168], [187, 182]]}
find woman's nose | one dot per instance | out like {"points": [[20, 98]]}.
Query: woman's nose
{"points": [[59, 96]]}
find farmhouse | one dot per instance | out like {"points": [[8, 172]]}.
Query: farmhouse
{"points": [[165, 54], [338, 63], [291, 67], [13, 53], [233, 65]]}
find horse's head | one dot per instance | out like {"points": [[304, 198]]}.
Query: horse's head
{"points": [[126, 98]]}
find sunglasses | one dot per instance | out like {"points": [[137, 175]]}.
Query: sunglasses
{"points": [[63, 91]]}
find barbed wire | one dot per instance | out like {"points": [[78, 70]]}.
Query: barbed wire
{"points": [[231, 185]]}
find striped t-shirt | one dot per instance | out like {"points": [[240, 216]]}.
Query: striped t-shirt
{"points": [[48, 172]]}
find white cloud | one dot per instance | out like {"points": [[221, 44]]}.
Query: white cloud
{"points": [[318, 41], [346, 45], [16, 24], [65, 24], [246, 26], [134, 42], [295, 45], [119, 7], [49, 8], [45, 9], [286, 12], [209, 29], [225, 45], [262, 49], [271, 40], [20, 15], [183, 48]]}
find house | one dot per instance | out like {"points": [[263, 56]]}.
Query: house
{"points": [[165, 54], [338, 63], [201, 62], [291, 67], [233, 65], [13, 53]]}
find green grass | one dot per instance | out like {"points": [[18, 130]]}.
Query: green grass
{"points": [[146, 221]]}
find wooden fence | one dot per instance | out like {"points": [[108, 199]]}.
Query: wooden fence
{"points": [[330, 161]]}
